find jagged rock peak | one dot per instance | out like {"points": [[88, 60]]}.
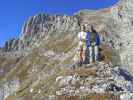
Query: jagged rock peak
{"points": [[45, 23], [39, 26]]}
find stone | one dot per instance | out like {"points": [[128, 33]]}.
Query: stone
{"points": [[126, 96], [31, 90]]}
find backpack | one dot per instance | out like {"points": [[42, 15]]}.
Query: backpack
{"points": [[97, 39]]}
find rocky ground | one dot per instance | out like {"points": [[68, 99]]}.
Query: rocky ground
{"points": [[89, 81], [39, 64]]}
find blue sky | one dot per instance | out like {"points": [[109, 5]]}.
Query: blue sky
{"points": [[13, 13]]}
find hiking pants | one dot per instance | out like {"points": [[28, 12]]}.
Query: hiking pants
{"points": [[96, 49], [90, 54], [93, 53], [82, 51]]}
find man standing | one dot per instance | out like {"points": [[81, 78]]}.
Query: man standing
{"points": [[82, 44], [92, 43]]}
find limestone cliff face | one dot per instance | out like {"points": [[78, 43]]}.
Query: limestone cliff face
{"points": [[40, 26], [122, 15]]}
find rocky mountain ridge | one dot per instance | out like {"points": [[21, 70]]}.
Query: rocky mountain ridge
{"points": [[39, 27]]}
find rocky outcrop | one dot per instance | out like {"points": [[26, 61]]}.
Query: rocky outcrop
{"points": [[48, 23], [40, 26], [11, 45], [105, 79], [8, 88], [116, 21], [122, 15]]}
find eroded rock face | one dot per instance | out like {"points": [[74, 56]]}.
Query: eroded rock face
{"points": [[48, 23], [126, 96], [11, 45], [122, 15], [8, 88], [117, 21], [41, 25], [107, 79]]}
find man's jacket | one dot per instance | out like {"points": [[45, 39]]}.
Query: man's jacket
{"points": [[95, 39]]}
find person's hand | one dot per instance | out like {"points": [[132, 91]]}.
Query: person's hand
{"points": [[94, 43]]}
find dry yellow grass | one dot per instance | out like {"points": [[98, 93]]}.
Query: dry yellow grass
{"points": [[105, 96], [83, 72], [11, 98], [7, 63], [28, 98], [107, 10], [106, 53], [59, 45], [14, 98], [68, 98]]}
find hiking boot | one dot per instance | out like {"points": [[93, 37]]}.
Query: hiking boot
{"points": [[80, 63]]}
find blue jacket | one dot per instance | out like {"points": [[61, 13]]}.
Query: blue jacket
{"points": [[88, 40], [97, 39]]}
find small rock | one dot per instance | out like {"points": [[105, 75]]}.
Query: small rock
{"points": [[126, 96], [31, 90]]}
